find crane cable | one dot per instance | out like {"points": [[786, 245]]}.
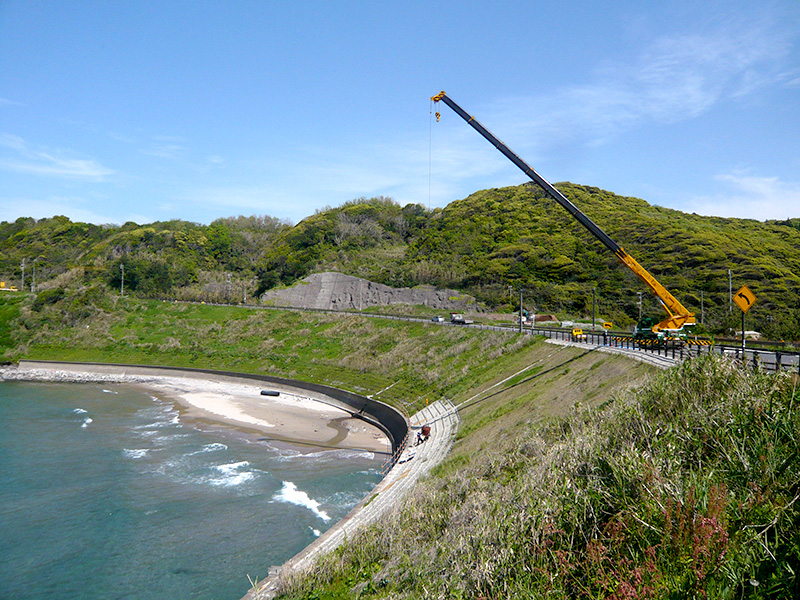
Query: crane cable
{"points": [[438, 115], [430, 151]]}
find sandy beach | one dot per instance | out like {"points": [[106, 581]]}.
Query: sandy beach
{"points": [[290, 416]]}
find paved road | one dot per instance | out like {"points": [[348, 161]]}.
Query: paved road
{"points": [[662, 362], [387, 495]]}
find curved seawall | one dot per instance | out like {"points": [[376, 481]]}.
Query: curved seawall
{"points": [[386, 418]]}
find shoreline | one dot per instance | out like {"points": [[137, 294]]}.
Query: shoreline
{"points": [[295, 416], [193, 390]]}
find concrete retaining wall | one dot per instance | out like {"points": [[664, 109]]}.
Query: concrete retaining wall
{"points": [[387, 419]]}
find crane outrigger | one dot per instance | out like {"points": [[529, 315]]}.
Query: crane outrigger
{"points": [[678, 315]]}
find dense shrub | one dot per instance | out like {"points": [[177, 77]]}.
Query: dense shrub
{"points": [[47, 297]]}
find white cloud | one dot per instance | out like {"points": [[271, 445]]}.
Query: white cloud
{"points": [[169, 151], [37, 161], [7, 102], [166, 146], [56, 205], [751, 197], [673, 78]]}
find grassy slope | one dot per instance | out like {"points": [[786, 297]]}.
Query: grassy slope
{"points": [[9, 311], [415, 361], [686, 487]]}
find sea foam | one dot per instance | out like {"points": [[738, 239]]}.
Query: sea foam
{"points": [[232, 474], [135, 452], [216, 446], [290, 493]]}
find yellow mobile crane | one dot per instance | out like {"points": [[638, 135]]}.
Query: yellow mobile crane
{"points": [[678, 316]]}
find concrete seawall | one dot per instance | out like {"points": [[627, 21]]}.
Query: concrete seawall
{"points": [[387, 419]]}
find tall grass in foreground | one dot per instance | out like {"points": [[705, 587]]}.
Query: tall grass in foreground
{"points": [[687, 487]]}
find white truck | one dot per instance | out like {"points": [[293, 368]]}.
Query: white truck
{"points": [[460, 319]]}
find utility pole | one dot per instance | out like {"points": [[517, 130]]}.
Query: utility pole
{"points": [[122, 280], [730, 292], [22, 287], [640, 305], [33, 285], [229, 287], [520, 309], [594, 307]]}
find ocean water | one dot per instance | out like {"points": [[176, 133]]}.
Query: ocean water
{"points": [[107, 492]]}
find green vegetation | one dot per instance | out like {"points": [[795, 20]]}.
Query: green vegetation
{"points": [[481, 245], [686, 487], [9, 312], [172, 259], [564, 481], [416, 361]]}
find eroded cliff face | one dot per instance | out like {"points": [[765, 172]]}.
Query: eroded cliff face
{"points": [[335, 291]]}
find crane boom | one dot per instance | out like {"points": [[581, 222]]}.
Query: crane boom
{"points": [[678, 317]]}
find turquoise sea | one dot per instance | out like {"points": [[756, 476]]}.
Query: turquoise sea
{"points": [[109, 492]]}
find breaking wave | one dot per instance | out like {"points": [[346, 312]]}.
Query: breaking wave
{"points": [[290, 493], [232, 474]]}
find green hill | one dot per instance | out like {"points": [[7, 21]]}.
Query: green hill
{"points": [[494, 239], [518, 237], [684, 487]]}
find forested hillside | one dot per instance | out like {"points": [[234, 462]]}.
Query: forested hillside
{"points": [[489, 245]]}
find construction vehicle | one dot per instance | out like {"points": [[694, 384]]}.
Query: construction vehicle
{"points": [[678, 316]]}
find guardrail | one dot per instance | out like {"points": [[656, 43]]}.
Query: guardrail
{"points": [[769, 360]]}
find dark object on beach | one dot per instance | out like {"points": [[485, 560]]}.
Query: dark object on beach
{"points": [[270, 393]]}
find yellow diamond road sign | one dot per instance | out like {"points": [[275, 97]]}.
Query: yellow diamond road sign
{"points": [[744, 298]]}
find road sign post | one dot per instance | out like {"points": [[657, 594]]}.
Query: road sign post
{"points": [[744, 299], [743, 346]]}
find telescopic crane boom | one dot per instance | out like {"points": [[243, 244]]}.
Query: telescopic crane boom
{"points": [[678, 317]]}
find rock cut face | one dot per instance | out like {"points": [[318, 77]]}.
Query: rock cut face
{"points": [[336, 291]]}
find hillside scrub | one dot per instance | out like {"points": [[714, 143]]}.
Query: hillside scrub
{"points": [[408, 362], [513, 236], [686, 487]]}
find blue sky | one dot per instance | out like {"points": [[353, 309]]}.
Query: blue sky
{"points": [[145, 111]]}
